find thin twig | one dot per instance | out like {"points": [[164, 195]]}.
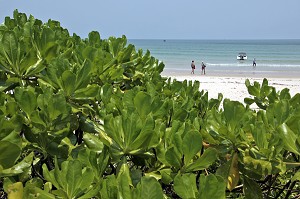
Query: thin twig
{"points": [[284, 188], [290, 190]]}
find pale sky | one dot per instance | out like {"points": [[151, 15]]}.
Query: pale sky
{"points": [[168, 19]]}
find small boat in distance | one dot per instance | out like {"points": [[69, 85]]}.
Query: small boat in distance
{"points": [[242, 56]]}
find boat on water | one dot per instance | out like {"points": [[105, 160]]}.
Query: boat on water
{"points": [[242, 56]]}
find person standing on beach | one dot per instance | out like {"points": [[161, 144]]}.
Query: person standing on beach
{"points": [[254, 63], [203, 68], [193, 66]]}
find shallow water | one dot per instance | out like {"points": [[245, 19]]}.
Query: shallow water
{"points": [[273, 57]]}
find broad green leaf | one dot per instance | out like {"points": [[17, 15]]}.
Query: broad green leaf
{"points": [[173, 157], [98, 162], [18, 168], [9, 154], [289, 138], [32, 65], [185, 185], [144, 137], [94, 38], [253, 90], [211, 187], [131, 125], [93, 142], [37, 182], [126, 54], [73, 177], [51, 51], [110, 188], [93, 189], [233, 112], [166, 177], [294, 123], [206, 159], [223, 171], [136, 176], [249, 101], [10, 49], [192, 144], [279, 112], [176, 137], [90, 126], [72, 180], [11, 136], [68, 82], [15, 191], [164, 109], [21, 18], [58, 175], [83, 76], [116, 45], [46, 44], [32, 192], [48, 186], [89, 92], [26, 100], [259, 166], [116, 74], [266, 90], [252, 189], [295, 101], [142, 102], [60, 193], [150, 188], [296, 176], [106, 93], [180, 114], [55, 69], [259, 133], [285, 94], [51, 104], [124, 182], [113, 128], [49, 176]]}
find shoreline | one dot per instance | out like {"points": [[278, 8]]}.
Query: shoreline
{"points": [[233, 87], [280, 74]]}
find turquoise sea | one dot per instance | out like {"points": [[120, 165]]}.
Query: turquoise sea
{"points": [[220, 55]]}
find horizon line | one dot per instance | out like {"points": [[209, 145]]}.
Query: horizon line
{"points": [[213, 39]]}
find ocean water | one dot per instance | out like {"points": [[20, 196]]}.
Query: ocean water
{"points": [[220, 55]]}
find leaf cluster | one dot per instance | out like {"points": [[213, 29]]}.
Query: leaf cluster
{"points": [[94, 118]]}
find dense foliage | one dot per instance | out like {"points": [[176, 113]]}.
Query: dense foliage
{"points": [[93, 118]]}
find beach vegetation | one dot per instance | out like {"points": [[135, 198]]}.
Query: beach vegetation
{"points": [[94, 118]]}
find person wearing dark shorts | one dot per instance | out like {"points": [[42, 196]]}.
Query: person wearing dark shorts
{"points": [[254, 62], [193, 66], [203, 68]]}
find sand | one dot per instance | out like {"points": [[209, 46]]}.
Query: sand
{"points": [[233, 86]]}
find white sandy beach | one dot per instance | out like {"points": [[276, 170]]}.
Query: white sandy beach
{"points": [[234, 88]]}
